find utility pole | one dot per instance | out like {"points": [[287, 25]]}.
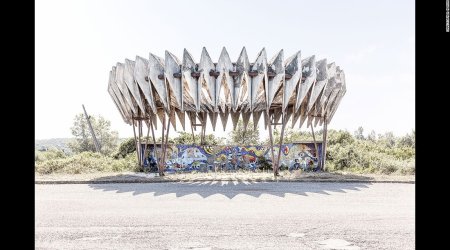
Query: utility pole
{"points": [[96, 144]]}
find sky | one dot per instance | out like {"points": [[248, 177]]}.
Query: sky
{"points": [[77, 42]]}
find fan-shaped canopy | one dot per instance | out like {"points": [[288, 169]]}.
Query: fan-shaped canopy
{"points": [[305, 89]]}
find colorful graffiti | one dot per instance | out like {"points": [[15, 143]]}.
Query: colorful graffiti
{"points": [[187, 158]]}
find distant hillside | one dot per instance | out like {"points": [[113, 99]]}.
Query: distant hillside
{"points": [[58, 143]]}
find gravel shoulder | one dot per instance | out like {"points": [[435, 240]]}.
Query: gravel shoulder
{"points": [[132, 177]]}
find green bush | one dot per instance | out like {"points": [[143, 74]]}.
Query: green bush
{"points": [[51, 154], [87, 162], [365, 156], [127, 147]]}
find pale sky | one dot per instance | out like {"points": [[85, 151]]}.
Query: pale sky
{"points": [[77, 42]]}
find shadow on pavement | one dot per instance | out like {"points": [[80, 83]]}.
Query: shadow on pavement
{"points": [[230, 188]]}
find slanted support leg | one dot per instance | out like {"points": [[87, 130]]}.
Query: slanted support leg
{"points": [[136, 142], [271, 142], [281, 144], [324, 143], [315, 145]]}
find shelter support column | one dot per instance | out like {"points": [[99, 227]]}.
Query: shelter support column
{"points": [[281, 143], [324, 143], [315, 144]]}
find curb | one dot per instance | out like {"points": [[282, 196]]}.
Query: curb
{"points": [[258, 180]]}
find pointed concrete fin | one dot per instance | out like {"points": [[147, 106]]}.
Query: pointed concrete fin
{"points": [[128, 77], [321, 80], [343, 88], [303, 114], [192, 119], [327, 91], [206, 65], [120, 67], [257, 82], [161, 115], [213, 118], [302, 120], [309, 72], [116, 102], [224, 118], [293, 66], [309, 120], [246, 119], [201, 117], [328, 88], [127, 108], [297, 115], [316, 120], [119, 95], [155, 68], [276, 64], [342, 73], [224, 82], [267, 119], [333, 106], [331, 70], [340, 95], [336, 103], [154, 119], [194, 88], [182, 118], [140, 73], [289, 112], [256, 117], [234, 119], [173, 120], [277, 115], [333, 95], [172, 65], [241, 82]]}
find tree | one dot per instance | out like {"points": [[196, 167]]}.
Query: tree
{"points": [[83, 141], [409, 140], [186, 138], [290, 135], [359, 133], [341, 137], [126, 147], [372, 136], [388, 139], [247, 137]]}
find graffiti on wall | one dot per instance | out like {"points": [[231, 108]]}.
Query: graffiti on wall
{"points": [[225, 158]]}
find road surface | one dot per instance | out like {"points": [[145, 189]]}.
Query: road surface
{"points": [[225, 215]]}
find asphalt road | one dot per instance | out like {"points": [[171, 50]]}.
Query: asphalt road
{"points": [[219, 215]]}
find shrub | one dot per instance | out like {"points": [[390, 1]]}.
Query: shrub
{"points": [[264, 164], [128, 146], [87, 162], [367, 157], [51, 154]]}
